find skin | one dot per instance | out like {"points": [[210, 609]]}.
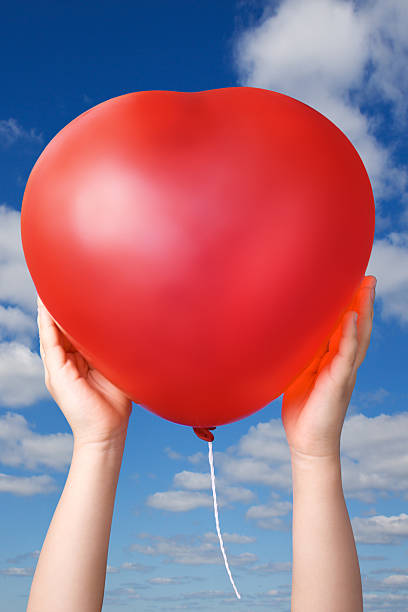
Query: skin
{"points": [[325, 572], [71, 570]]}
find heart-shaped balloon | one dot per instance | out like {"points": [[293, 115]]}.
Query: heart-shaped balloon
{"points": [[198, 247]]}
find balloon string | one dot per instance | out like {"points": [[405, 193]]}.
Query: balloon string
{"points": [[217, 524]]}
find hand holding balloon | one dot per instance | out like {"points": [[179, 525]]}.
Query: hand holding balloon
{"points": [[97, 411], [315, 404]]}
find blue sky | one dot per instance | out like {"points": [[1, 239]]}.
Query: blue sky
{"points": [[349, 61]]}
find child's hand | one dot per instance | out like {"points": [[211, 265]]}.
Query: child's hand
{"points": [[97, 411], [315, 404]]}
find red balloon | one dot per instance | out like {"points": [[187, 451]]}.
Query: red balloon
{"points": [[198, 247]]}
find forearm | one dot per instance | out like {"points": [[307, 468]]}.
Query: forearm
{"points": [[325, 573], [71, 569]]}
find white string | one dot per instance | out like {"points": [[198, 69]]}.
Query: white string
{"points": [[210, 458]]}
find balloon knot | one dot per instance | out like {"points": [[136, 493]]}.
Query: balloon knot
{"points": [[204, 433]]}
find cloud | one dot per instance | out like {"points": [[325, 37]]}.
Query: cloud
{"points": [[21, 370], [31, 485], [233, 494], [192, 480], [253, 471], [16, 285], [22, 447], [17, 571], [397, 581], [380, 529], [172, 454], [265, 569], [190, 550], [374, 457], [33, 554], [295, 50], [17, 324], [265, 441], [165, 580], [350, 73], [113, 596], [267, 515], [129, 567], [22, 380], [179, 501], [182, 501], [197, 458], [11, 132], [373, 397], [389, 264], [234, 538]]}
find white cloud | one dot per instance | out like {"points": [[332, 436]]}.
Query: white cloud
{"points": [[32, 485], [373, 397], [179, 501], [21, 370], [389, 264], [254, 471], [163, 580], [113, 596], [384, 601], [234, 538], [16, 323], [182, 501], [192, 480], [268, 516], [172, 454], [195, 550], [33, 554], [396, 580], [233, 494], [197, 458], [11, 132], [265, 569], [17, 571], [16, 285], [129, 566], [380, 529], [375, 456], [22, 447], [21, 375], [335, 57], [277, 508], [374, 459], [265, 441], [272, 592], [342, 58]]}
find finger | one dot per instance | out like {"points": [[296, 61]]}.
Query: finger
{"points": [[360, 305], [367, 282], [53, 354], [343, 349], [365, 324], [348, 342]]}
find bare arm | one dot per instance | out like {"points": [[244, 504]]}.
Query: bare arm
{"points": [[325, 573], [71, 570]]}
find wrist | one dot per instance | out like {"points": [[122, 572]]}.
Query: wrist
{"points": [[110, 445], [315, 463]]}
